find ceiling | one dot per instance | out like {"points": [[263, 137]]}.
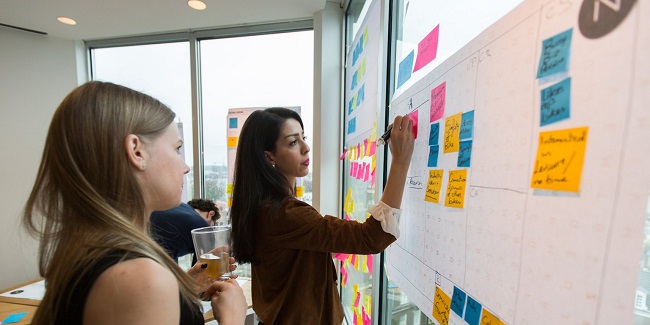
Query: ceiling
{"points": [[100, 19]]}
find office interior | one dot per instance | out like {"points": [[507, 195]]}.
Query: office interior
{"points": [[43, 60]]}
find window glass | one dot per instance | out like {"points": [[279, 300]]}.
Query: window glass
{"points": [[642, 299], [159, 70], [458, 23], [252, 71]]}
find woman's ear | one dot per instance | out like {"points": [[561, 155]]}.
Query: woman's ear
{"points": [[269, 157], [134, 151]]}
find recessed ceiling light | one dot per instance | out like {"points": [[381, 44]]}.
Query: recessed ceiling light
{"points": [[66, 20], [196, 4]]}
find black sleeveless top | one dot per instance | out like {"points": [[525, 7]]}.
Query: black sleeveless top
{"points": [[71, 313]]}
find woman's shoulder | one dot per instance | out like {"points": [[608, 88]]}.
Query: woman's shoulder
{"points": [[130, 287]]}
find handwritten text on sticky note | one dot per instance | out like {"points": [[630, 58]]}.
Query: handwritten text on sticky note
{"points": [[560, 155]]}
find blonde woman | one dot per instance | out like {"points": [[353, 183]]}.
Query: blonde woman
{"points": [[111, 157]]}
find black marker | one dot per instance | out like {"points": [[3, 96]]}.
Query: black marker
{"points": [[384, 137]]}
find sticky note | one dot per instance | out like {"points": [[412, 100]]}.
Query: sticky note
{"points": [[434, 134], [490, 319], [357, 299], [341, 256], [369, 264], [441, 304], [434, 183], [560, 156], [345, 150], [437, 107], [427, 49], [467, 125], [232, 123], [472, 311], [405, 68], [300, 191], [555, 103], [458, 301], [433, 156], [13, 318], [452, 130], [230, 189], [465, 153], [456, 188], [413, 116], [555, 56], [352, 125], [232, 142]]}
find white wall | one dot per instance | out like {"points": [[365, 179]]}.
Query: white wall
{"points": [[36, 72]]}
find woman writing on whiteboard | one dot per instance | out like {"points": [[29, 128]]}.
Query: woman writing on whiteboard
{"points": [[111, 157], [287, 241]]}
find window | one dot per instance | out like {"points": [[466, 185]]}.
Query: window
{"points": [[159, 70]]}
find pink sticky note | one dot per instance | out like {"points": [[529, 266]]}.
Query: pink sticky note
{"points": [[370, 264], [345, 150], [373, 148], [362, 169], [427, 49], [355, 319], [365, 145], [347, 217], [358, 151], [414, 117], [353, 165], [356, 300], [374, 178], [366, 317], [366, 175], [354, 259], [344, 275], [438, 102], [341, 257]]}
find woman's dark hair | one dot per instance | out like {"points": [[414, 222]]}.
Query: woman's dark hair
{"points": [[255, 179]]}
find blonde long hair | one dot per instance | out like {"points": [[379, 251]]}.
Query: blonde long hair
{"points": [[86, 200]]}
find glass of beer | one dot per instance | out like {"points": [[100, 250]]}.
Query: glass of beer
{"points": [[212, 246]]}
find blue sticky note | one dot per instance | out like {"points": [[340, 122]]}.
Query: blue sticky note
{"points": [[232, 123], [458, 301], [467, 125], [434, 134], [472, 311], [556, 52], [361, 95], [353, 82], [465, 153], [352, 125], [555, 103], [14, 318], [433, 156], [405, 68]]}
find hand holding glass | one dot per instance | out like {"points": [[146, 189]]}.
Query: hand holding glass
{"points": [[212, 246]]}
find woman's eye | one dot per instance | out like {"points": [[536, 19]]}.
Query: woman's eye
{"points": [[304, 138], [293, 143]]}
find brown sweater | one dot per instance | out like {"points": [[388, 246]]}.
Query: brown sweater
{"points": [[294, 278]]}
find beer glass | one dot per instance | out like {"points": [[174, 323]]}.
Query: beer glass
{"points": [[212, 246]]}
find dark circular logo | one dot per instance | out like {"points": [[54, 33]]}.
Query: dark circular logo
{"points": [[599, 17]]}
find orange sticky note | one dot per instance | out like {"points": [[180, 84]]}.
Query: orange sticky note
{"points": [[434, 184], [560, 156], [452, 133], [456, 188], [232, 142], [489, 319], [441, 303]]}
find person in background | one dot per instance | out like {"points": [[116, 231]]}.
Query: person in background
{"points": [[286, 240], [172, 228], [207, 209], [111, 157]]}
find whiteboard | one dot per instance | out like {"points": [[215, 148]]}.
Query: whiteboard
{"points": [[508, 240]]}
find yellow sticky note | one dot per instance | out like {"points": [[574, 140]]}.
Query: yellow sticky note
{"points": [[367, 302], [230, 202], [489, 319], [560, 156], [456, 188], [356, 262], [300, 191], [229, 189], [452, 132], [232, 142], [432, 194], [348, 200], [441, 303]]}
